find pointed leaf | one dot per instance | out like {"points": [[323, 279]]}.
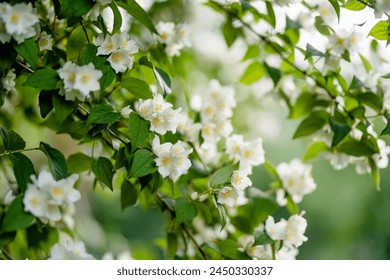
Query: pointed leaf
{"points": [[23, 169], [11, 140], [138, 130], [137, 87], [103, 170], [129, 195], [221, 176], [185, 211], [136, 11], [45, 78], [57, 163], [143, 164], [15, 217], [103, 114], [29, 51]]}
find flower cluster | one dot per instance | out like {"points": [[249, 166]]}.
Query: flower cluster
{"points": [[70, 250], [290, 233], [172, 159], [119, 48], [17, 22], [79, 81], [174, 37], [51, 201], [296, 179], [162, 116]]}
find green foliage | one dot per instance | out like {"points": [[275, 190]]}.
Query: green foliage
{"points": [[138, 130], [185, 211], [45, 78], [254, 72], [137, 87], [380, 30], [136, 11], [57, 163], [11, 140], [103, 170], [129, 194], [221, 176], [23, 169], [71, 8], [16, 218], [103, 114], [142, 164], [29, 51]]}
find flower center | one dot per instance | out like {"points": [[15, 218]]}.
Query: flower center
{"points": [[85, 78], [117, 57], [15, 18]]}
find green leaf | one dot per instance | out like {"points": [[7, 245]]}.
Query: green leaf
{"points": [[262, 238], [274, 73], [228, 248], [357, 149], [311, 124], [366, 63], [103, 170], [221, 176], [371, 99], [321, 26], [15, 217], [271, 14], [254, 72], [336, 7], [117, 17], [172, 245], [129, 195], [185, 211], [163, 80], [23, 169], [63, 108], [76, 42], [354, 5], [340, 131], [386, 130], [45, 78], [229, 32], [11, 140], [137, 87], [311, 51], [71, 8], [57, 163], [29, 51], [103, 114], [271, 170], [143, 164], [46, 102], [222, 216], [138, 130], [315, 149], [303, 105], [136, 11], [380, 30], [78, 163], [253, 51]]}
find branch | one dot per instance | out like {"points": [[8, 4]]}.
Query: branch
{"points": [[366, 3], [6, 254], [183, 225], [18, 151]]}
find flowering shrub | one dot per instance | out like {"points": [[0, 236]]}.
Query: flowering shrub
{"points": [[155, 122]]}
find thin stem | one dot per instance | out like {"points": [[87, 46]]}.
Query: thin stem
{"points": [[6, 254], [25, 66], [18, 151], [183, 225], [85, 31]]}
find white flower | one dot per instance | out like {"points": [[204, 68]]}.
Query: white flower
{"points": [[240, 180], [260, 252], [172, 160], [296, 178], [87, 79], [234, 144], [68, 74], [340, 41], [45, 42], [295, 229], [382, 159], [125, 112], [337, 160], [48, 199], [160, 114], [252, 154], [277, 231], [125, 43], [8, 81], [19, 21], [107, 45], [166, 31], [382, 7], [9, 197], [227, 196], [287, 253], [71, 250], [121, 60], [281, 199]]}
